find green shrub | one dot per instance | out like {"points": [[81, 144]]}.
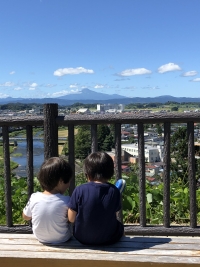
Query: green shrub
{"points": [[179, 203], [179, 200], [19, 198]]}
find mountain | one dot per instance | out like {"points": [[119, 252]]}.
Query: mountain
{"points": [[87, 96]]}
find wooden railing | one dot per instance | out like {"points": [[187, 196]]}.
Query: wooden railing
{"points": [[51, 121]]}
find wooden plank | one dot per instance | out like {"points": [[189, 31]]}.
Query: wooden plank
{"points": [[100, 251], [129, 245], [22, 262], [108, 257], [123, 239], [22, 249], [125, 245]]}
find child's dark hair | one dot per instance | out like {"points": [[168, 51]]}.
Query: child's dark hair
{"points": [[98, 166], [52, 170]]}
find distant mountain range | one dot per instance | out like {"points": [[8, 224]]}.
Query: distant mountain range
{"points": [[87, 96]]}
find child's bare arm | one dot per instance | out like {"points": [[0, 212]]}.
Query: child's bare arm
{"points": [[26, 217], [71, 215]]}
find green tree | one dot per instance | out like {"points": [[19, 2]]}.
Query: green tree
{"points": [[107, 143], [159, 129], [174, 109], [105, 138], [131, 139], [83, 142], [179, 155]]}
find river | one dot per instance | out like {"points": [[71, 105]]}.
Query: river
{"points": [[38, 157]]}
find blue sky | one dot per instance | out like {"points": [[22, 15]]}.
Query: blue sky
{"points": [[134, 48]]}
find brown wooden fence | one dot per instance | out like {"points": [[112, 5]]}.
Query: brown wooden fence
{"points": [[51, 121]]}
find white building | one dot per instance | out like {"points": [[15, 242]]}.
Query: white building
{"points": [[83, 111], [110, 107], [152, 154]]}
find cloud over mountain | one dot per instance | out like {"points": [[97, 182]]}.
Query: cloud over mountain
{"points": [[72, 71]]}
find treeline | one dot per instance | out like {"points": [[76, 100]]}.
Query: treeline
{"points": [[105, 137], [143, 106], [19, 106], [169, 104], [81, 105]]}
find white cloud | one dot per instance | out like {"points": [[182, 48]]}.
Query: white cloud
{"points": [[64, 92], [3, 95], [12, 72], [99, 86], [33, 85], [73, 86], [190, 73], [196, 80], [17, 88], [168, 67], [72, 71], [131, 72], [7, 84]]}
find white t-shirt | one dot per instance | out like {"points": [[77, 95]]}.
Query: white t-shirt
{"points": [[49, 217]]}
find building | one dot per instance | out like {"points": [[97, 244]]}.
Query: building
{"points": [[152, 154], [84, 111], [112, 108]]}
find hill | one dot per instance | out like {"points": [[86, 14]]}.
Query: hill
{"points": [[87, 96]]}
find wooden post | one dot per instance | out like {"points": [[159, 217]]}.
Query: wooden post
{"points": [[50, 131], [7, 176]]}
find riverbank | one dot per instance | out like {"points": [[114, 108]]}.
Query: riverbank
{"points": [[63, 133], [18, 164]]}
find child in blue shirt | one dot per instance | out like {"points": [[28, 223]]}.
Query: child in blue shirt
{"points": [[93, 206]]}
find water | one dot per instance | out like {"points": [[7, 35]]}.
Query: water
{"points": [[38, 157]]}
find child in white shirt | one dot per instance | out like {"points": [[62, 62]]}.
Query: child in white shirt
{"points": [[48, 209]]}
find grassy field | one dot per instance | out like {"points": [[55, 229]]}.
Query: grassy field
{"points": [[63, 133]]}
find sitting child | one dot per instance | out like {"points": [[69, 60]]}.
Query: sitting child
{"points": [[48, 209], [93, 206]]}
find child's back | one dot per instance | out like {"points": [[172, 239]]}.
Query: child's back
{"points": [[48, 212], [94, 205], [48, 209]]}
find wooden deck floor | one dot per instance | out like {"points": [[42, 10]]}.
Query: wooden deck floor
{"points": [[24, 250]]}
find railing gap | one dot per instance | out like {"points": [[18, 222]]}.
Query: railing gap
{"points": [[71, 158], [142, 178], [166, 175], [29, 168], [191, 175]]}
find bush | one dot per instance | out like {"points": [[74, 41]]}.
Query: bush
{"points": [[19, 198], [179, 200]]}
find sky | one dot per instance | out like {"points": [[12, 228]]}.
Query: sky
{"points": [[133, 48]]}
